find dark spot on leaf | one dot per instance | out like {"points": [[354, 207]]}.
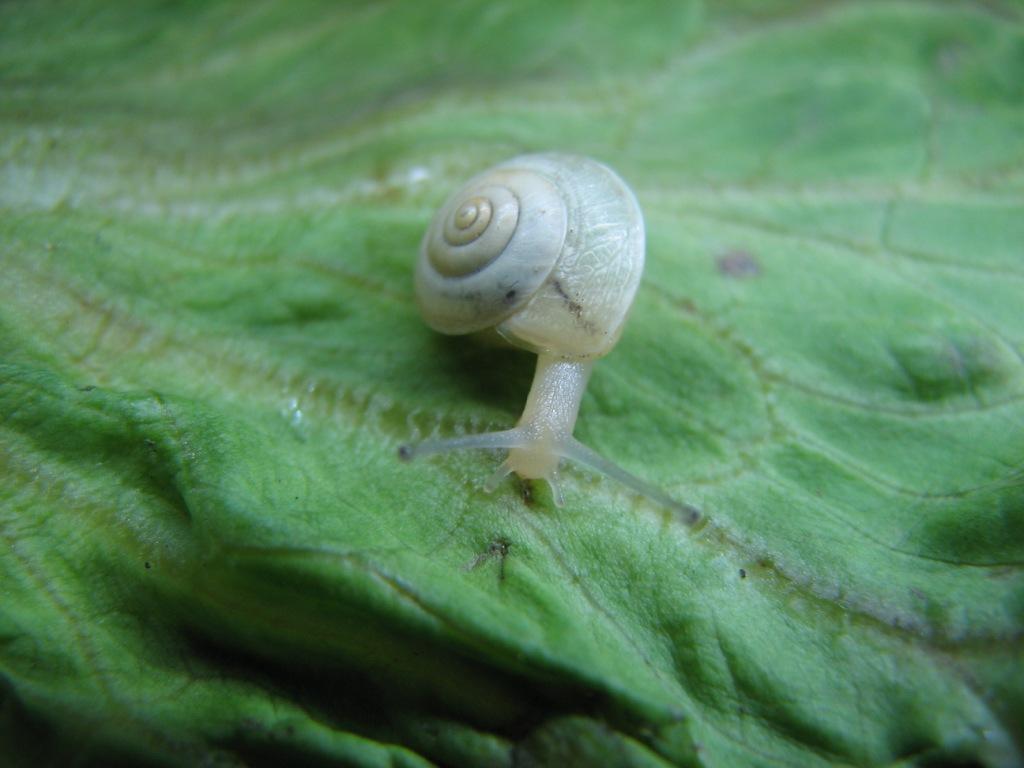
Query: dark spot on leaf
{"points": [[740, 265], [510, 295], [405, 452], [148, 565], [87, 388], [526, 491], [690, 515], [743, 573], [687, 306]]}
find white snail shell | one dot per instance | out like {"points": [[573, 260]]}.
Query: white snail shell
{"points": [[546, 249]]}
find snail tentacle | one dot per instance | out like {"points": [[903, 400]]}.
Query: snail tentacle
{"points": [[575, 451], [505, 439]]}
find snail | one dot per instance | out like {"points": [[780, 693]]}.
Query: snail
{"points": [[546, 251]]}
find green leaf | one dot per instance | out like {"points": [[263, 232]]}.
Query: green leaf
{"points": [[210, 352]]}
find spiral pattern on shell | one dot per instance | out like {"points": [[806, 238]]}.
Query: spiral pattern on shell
{"points": [[475, 230], [489, 248]]}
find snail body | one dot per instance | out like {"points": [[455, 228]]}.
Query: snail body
{"points": [[547, 252]]}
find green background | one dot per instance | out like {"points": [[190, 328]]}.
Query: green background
{"points": [[209, 354]]}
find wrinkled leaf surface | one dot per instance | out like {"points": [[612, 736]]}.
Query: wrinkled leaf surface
{"points": [[210, 352]]}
